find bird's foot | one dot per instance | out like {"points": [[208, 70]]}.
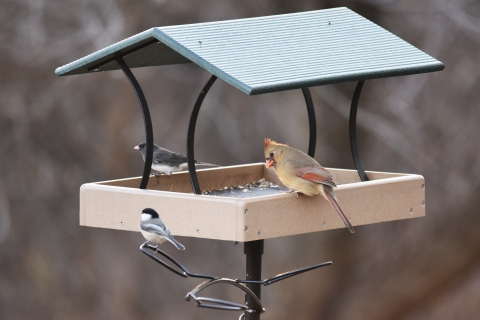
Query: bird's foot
{"points": [[293, 191], [156, 248]]}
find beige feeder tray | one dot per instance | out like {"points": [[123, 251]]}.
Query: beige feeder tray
{"points": [[236, 215]]}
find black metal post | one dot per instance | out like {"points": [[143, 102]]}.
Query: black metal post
{"points": [[312, 123], [253, 250], [353, 131], [146, 119], [191, 136]]}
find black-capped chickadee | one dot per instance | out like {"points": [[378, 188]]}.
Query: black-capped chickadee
{"points": [[166, 161], [154, 231]]}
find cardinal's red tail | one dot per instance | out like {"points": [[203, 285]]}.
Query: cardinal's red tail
{"points": [[331, 198]]}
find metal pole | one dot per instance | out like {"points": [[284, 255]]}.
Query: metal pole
{"points": [[253, 251]]}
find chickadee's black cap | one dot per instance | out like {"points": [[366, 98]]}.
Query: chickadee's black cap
{"points": [[151, 212]]}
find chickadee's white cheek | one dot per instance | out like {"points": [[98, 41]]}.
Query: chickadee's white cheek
{"points": [[145, 217]]}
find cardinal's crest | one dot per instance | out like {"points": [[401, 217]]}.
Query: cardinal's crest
{"points": [[267, 142]]}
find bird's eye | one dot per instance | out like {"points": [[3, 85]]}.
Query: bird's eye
{"points": [[271, 154]]}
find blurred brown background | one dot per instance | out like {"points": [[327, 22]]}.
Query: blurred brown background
{"points": [[58, 133]]}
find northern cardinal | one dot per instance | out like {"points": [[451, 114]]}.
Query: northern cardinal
{"points": [[300, 172]]}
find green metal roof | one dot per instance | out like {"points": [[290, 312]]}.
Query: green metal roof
{"points": [[272, 53]]}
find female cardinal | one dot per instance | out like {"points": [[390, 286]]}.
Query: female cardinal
{"points": [[300, 172]]}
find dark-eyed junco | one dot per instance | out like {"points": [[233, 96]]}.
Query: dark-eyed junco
{"points": [[154, 231], [166, 161]]}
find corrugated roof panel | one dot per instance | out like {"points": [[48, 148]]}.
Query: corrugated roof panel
{"points": [[273, 53]]}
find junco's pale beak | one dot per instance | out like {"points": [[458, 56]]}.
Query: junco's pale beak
{"points": [[136, 148]]}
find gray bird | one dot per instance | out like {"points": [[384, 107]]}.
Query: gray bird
{"points": [[154, 231], [166, 161]]}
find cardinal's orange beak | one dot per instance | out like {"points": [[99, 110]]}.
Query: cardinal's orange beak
{"points": [[269, 163]]}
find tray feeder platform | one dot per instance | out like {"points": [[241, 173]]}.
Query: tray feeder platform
{"points": [[256, 56]]}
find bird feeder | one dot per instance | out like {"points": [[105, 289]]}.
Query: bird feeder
{"points": [[258, 56]]}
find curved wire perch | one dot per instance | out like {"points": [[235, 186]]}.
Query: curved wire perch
{"points": [[212, 303], [286, 275], [216, 303], [223, 304], [146, 119], [353, 131], [185, 272]]}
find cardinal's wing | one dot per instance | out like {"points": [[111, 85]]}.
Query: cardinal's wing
{"points": [[317, 174]]}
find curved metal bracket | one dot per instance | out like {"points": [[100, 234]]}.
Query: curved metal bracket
{"points": [[353, 131], [146, 119], [191, 136], [312, 123], [223, 304]]}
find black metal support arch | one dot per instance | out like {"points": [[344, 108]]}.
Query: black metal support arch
{"points": [[191, 135], [353, 131], [253, 249], [146, 119], [312, 122]]}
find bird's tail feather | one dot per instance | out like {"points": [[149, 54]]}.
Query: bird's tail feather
{"points": [[206, 164], [177, 244], [331, 198]]}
